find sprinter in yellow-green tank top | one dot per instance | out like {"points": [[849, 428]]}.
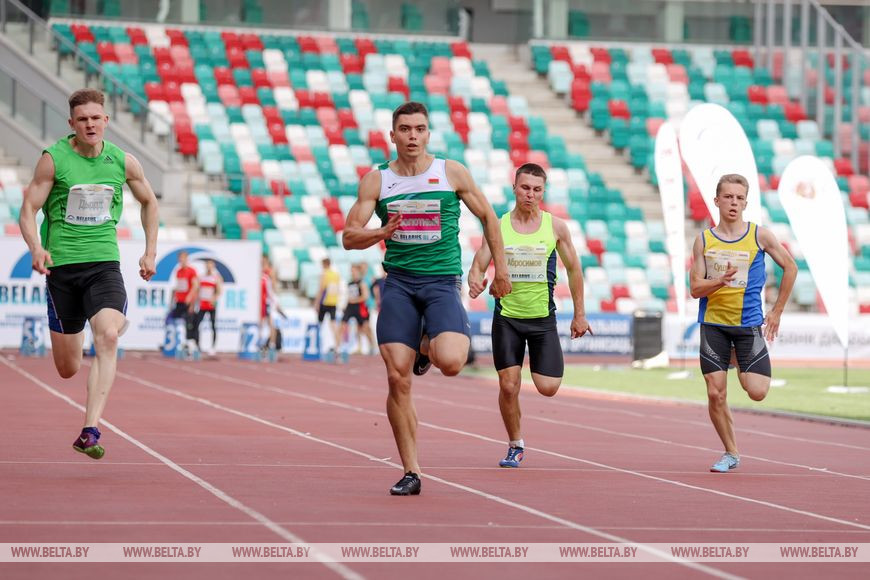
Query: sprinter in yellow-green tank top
{"points": [[527, 316], [417, 197], [728, 276], [77, 183]]}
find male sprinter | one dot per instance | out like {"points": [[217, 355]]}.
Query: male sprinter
{"points": [[77, 183], [417, 196], [527, 316], [728, 276]]}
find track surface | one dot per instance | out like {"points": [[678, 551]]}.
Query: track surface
{"points": [[235, 452]]}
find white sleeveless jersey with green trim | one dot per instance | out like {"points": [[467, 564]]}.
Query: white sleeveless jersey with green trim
{"points": [[427, 241]]}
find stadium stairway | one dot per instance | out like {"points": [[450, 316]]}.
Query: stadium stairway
{"points": [[509, 64], [174, 209]]}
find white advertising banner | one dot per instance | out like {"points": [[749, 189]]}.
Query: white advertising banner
{"points": [[812, 200], [669, 170], [22, 292], [713, 144], [802, 337]]}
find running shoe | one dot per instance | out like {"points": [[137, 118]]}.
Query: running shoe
{"points": [[422, 364], [726, 463], [408, 485], [88, 443], [513, 458]]}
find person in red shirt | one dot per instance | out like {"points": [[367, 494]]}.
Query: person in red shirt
{"points": [[210, 287], [184, 298]]}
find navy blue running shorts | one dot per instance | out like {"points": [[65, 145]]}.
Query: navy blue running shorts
{"points": [[408, 299]]}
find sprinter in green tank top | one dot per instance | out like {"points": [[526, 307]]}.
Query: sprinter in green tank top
{"points": [[527, 316], [417, 199], [77, 183]]}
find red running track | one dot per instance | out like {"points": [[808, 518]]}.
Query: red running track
{"points": [[234, 452]]}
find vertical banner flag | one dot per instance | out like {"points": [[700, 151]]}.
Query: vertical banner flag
{"points": [[713, 144], [669, 170], [811, 198]]}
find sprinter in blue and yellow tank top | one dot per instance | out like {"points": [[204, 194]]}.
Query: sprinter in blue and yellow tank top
{"points": [[417, 197], [728, 276], [527, 316]]}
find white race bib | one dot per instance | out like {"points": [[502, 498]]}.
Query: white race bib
{"points": [[527, 263], [206, 293], [421, 220], [182, 285], [717, 264], [89, 204]]}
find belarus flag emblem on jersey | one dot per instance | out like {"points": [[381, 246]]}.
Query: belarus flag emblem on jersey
{"points": [[433, 180]]}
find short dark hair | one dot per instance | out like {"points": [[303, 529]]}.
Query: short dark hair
{"points": [[531, 169], [84, 96], [735, 178], [410, 108]]}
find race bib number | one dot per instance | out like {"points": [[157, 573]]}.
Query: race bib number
{"points": [[206, 293], [527, 263], [182, 285], [89, 204], [421, 220], [718, 263]]}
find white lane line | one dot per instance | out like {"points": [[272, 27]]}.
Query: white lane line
{"points": [[451, 385], [492, 409], [407, 524], [491, 497], [356, 409], [287, 535]]}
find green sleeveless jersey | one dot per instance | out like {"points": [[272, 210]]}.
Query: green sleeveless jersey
{"points": [[84, 205], [427, 241], [531, 262]]}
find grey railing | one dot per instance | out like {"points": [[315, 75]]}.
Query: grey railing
{"points": [[839, 45], [14, 12]]}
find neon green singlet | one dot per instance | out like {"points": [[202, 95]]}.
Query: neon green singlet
{"points": [[84, 205], [531, 262]]}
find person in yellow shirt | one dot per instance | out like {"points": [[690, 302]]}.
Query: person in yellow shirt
{"points": [[327, 298], [728, 276]]}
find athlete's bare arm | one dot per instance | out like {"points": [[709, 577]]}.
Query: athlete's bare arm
{"points": [[768, 242], [565, 247], [462, 182], [34, 198], [143, 193], [476, 273], [356, 236], [699, 286]]}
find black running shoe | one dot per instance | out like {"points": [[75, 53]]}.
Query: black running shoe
{"points": [[408, 485], [422, 364]]}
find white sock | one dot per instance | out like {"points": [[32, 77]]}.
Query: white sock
{"points": [[518, 443]]}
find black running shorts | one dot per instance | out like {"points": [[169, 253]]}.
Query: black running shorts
{"points": [[75, 292], [511, 335], [748, 344]]}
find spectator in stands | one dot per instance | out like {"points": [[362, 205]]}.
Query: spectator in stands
{"points": [[77, 183], [417, 198], [327, 298], [527, 316], [728, 276]]}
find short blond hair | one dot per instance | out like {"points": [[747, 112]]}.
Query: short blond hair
{"points": [[735, 178]]}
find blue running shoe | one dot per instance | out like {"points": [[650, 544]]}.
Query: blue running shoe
{"points": [[726, 463], [513, 458]]}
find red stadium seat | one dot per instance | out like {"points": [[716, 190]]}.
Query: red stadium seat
{"points": [[843, 166]]}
